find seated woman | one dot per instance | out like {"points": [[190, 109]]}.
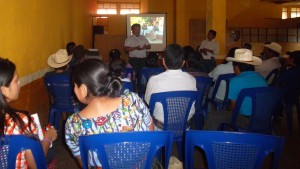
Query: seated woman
{"points": [[96, 87], [14, 121], [116, 54], [117, 67]]}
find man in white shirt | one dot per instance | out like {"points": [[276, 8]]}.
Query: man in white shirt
{"points": [[137, 45], [270, 58], [221, 69], [173, 79], [209, 48]]}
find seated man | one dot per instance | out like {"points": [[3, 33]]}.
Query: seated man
{"points": [[270, 58], [173, 79], [243, 66], [60, 62]]}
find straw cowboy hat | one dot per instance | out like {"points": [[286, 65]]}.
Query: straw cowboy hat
{"points": [[244, 56], [59, 59], [274, 46]]}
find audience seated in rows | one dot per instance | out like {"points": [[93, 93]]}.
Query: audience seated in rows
{"points": [[270, 57], [173, 79], [15, 121], [97, 88], [221, 69], [243, 65]]}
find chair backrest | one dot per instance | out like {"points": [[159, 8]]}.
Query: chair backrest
{"points": [[264, 104], [11, 145], [226, 78], [144, 76], [127, 149], [232, 150], [128, 86], [203, 84], [272, 76], [129, 72], [176, 106], [60, 87]]}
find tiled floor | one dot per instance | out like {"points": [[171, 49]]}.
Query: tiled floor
{"points": [[290, 158]]}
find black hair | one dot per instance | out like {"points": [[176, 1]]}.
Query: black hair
{"points": [[247, 46], [115, 54], [152, 59], [70, 47], [188, 50], [97, 78], [230, 54], [213, 32], [135, 25], [295, 55], [243, 66], [194, 61], [7, 72], [174, 56], [117, 67], [79, 52]]}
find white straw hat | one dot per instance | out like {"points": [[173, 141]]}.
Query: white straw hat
{"points": [[244, 56], [274, 46], [59, 59]]}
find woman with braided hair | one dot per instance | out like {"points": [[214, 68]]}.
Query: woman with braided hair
{"points": [[106, 111]]}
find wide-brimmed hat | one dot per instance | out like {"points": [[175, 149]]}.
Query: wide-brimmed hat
{"points": [[274, 46], [244, 56], [59, 59]]}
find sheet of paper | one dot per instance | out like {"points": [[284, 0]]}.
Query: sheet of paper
{"points": [[36, 119]]}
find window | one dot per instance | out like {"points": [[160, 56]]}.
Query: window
{"points": [[284, 13], [129, 8], [295, 12], [107, 8], [118, 8]]}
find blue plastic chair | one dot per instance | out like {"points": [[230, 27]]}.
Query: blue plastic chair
{"points": [[203, 85], [272, 77], [220, 105], [11, 145], [127, 86], [232, 150], [126, 149], [176, 106], [144, 76], [129, 71], [60, 88], [264, 105]]}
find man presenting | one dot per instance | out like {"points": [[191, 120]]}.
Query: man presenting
{"points": [[136, 45]]}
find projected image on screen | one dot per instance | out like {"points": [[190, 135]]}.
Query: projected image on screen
{"points": [[151, 27]]}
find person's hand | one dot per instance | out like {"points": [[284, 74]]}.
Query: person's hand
{"points": [[141, 47], [51, 134], [204, 51]]}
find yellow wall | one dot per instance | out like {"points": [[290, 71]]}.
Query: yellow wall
{"points": [[32, 30]]}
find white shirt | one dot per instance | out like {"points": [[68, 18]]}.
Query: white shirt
{"points": [[134, 41], [220, 70], [267, 66], [212, 45], [170, 80]]}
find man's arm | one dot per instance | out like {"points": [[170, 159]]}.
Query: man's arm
{"points": [[128, 48], [147, 46]]}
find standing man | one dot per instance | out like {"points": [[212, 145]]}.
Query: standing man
{"points": [[209, 48], [136, 45]]}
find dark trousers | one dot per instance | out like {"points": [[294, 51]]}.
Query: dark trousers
{"points": [[137, 64]]}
